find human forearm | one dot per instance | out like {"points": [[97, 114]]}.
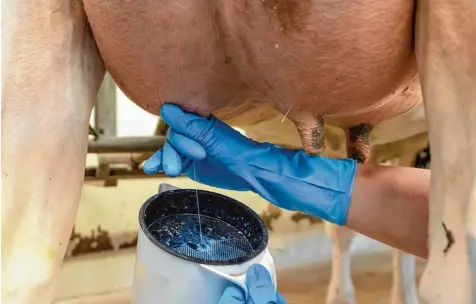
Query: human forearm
{"points": [[390, 204]]}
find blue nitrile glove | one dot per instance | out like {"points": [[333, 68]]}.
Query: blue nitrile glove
{"points": [[224, 158], [260, 289]]}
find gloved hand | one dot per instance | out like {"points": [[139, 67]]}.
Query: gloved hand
{"points": [[260, 289], [212, 153]]}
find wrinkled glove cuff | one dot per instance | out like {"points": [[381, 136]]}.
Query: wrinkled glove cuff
{"points": [[294, 180], [342, 200]]}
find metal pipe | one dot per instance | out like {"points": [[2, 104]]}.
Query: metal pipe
{"points": [[132, 160], [126, 144], [160, 129], [90, 174]]}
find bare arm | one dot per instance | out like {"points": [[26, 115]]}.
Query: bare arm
{"points": [[390, 204], [51, 74]]}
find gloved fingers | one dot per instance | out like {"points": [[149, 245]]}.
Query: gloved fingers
{"points": [[185, 146], [232, 295], [280, 298], [171, 161], [260, 285], [154, 163], [189, 125]]}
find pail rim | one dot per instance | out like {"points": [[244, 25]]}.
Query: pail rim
{"points": [[257, 250]]}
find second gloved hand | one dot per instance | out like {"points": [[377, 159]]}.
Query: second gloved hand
{"points": [[213, 153], [261, 289]]}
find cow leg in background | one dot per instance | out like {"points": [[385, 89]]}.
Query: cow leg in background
{"points": [[341, 288], [404, 290], [446, 52], [51, 76]]}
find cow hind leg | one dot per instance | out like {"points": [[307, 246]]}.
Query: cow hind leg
{"points": [[51, 76], [445, 35]]}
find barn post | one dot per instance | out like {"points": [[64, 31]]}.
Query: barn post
{"points": [[105, 116]]}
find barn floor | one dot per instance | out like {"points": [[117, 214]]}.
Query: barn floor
{"points": [[372, 277], [371, 273]]}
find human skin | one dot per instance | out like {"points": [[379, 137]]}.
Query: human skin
{"points": [[391, 205]]}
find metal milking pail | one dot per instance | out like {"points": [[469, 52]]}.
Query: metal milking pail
{"points": [[163, 275]]}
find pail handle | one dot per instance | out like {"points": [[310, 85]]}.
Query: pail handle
{"points": [[240, 279], [166, 187]]}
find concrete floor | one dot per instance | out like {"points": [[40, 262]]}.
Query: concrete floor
{"points": [[372, 275]]}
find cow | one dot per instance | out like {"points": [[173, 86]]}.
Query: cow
{"points": [[355, 64]]}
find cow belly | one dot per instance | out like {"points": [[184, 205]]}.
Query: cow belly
{"points": [[351, 62]]}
